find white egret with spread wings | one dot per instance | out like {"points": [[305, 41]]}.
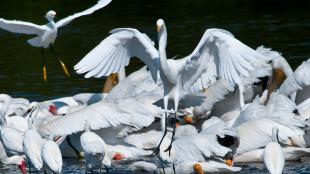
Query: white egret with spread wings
{"points": [[46, 34], [217, 55]]}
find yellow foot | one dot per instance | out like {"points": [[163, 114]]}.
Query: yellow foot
{"points": [[44, 74], [64, 68]]}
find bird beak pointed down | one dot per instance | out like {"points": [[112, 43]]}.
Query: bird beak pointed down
{"points": [[229, 162], [198, 168], [23, 167], [188, 119], [158, 28], [278, 77]]}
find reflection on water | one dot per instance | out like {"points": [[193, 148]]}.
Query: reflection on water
{"points": [[78, 167], [282, 25]]}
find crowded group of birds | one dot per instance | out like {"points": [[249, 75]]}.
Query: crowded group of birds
{"points": [[223, 104]]}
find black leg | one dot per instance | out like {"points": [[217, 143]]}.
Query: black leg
{"points": [[29, 167], [44, 66], [173, 133], [64, 67], [78, 155], [157, 150], [173, 166], [106, 168]]}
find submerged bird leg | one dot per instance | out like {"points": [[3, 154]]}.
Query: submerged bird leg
{"points": [[78, 155], [44, 66], [106, 168], [64, 67], [173, 167]]}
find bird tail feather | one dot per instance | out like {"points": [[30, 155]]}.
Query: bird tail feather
{"points": [[36, 42]]}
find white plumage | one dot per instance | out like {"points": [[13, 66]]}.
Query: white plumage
{"points": [[46, 34], [32, 145], [51, 155], [273, 155], [94, 148]]}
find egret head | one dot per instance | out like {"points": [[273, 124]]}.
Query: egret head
{"points": [[160, 24], [50, 15]]}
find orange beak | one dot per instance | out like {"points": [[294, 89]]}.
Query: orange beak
{"points": [[198, 168], [229, 162], [278, 77], [188, 119]]}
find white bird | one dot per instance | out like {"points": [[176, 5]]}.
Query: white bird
{"points": [[17, 122], [12, 140], [273, 154], [291, 153], [13, 160], [46, 34], [94, 149], [218, 54], [298, 82], [51, 155], [32, 145]]}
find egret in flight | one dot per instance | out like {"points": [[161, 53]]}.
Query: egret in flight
{"points": [[218, 55], [46, 34]]}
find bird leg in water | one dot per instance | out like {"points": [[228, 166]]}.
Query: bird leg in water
{"points": [[44, 66], [64, 67], [79, 156]]}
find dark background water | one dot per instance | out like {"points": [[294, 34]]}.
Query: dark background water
{"points": [[281, 25]]}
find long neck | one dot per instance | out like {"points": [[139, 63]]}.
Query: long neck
{"points": [[275, 137], [162, 43]]}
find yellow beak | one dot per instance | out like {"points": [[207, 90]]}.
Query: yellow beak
{"points": [[158, 28]]}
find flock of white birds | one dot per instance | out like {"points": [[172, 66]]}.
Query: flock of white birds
{"points": [[223, 104]]}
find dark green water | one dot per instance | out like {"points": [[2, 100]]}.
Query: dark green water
{"points": [[282, 25]]}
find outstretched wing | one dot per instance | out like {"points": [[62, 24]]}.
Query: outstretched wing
{"points": [[21, 27], [219, 54], [105, 114], [100, 4], [115, 51]]}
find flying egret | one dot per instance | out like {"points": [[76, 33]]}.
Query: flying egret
{"points": [[217, 55], [46, 34]]}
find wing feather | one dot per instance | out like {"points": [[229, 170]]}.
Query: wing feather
{"points": [[114, 52], [100, 4], [219, 54], [21, 27]]}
